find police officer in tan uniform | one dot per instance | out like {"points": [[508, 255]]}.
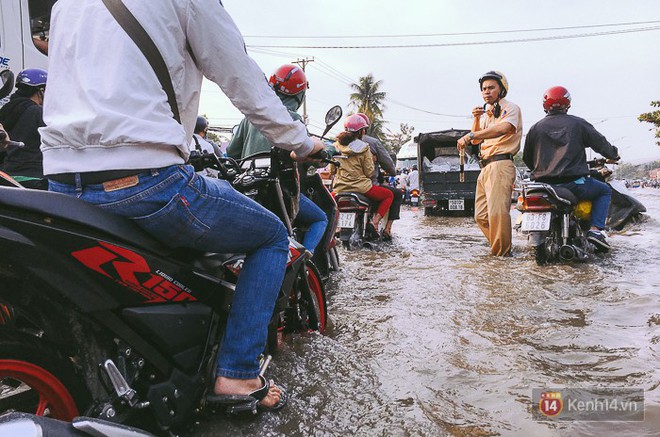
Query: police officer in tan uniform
{"points": [[500, 140]]}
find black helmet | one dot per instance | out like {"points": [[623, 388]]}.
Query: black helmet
{"points": [[201, 124], [499, 77]]}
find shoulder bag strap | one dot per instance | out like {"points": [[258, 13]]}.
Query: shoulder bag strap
{"points": [[134, 29], [197, 145]]}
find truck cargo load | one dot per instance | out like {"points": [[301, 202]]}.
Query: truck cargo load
{"points": [[442, 193]]}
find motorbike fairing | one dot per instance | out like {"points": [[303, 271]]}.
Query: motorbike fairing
{"points": [[623, 207]]}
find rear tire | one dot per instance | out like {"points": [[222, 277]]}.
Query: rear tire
{"points": [[306, 310], [540, 254], [548, 251], [38, 379], [312, 305], [334, 259]]}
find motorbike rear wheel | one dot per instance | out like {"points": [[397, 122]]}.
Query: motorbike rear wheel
{"points": [[306, 310], [36, 379], [313, 304], [334, 259], [548, 250], [541, 254]]}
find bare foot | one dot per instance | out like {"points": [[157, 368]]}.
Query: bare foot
{"points": [[231, 386]]}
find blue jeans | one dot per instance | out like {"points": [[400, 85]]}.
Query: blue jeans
{"points": [[183, 209], [316, 220], [599, 193]]}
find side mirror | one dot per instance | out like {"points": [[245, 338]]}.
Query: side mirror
{"points": [[331, 118], [7, 83]]}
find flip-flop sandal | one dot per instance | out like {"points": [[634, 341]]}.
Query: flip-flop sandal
{"points": [[235, 404], [386, 236]]}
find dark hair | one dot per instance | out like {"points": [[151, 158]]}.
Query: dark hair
{"points": [[27, 91], [345, 138]]}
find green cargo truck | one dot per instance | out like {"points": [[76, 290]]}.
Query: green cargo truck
{"points": [[441, 191]]}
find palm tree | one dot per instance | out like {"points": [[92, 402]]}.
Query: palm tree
{"points": [[369, 100]]}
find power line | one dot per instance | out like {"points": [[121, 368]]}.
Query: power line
{"points": [[424, 110], [422, 35], [472, 43], [339, 73], [336, 74]]}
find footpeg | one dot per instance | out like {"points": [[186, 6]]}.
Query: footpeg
{"points": [[119, 383], [243, 408]]}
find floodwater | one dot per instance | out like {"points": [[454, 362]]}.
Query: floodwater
{"points": [[433, 337]]}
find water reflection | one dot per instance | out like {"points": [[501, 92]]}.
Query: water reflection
{"points": [[433, 337]]}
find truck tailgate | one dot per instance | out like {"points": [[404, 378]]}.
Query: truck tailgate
{"points": [[446, 185]]}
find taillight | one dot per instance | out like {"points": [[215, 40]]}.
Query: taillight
{"points": [[537, 203], [347, 203]]}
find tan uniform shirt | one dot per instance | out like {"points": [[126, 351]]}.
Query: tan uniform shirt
{"points": [[509, 143]]}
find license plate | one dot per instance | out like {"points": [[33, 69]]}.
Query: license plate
{"points": [[456, 204], [346, 219], [536, 221]]}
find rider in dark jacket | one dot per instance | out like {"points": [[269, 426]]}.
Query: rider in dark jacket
{"points": [[555, 152], [384, 160], [22, 116]]}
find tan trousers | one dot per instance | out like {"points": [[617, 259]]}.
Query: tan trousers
{"points": [[492, 204]]}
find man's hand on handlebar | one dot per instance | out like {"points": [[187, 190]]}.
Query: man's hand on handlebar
{"points": [[318, 147], [4, 137]]}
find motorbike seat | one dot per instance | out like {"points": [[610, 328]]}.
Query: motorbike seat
{"points": [[358, 196], [72, 209], [566, 194]]}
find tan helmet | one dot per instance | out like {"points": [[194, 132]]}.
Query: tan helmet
{"points": [[499, 77]]}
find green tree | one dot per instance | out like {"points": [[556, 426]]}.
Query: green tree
{"points": [[653, 118], [368, 99], [394, 140]]}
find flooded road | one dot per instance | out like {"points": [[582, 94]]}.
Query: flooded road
{"points": [[433, 337]]}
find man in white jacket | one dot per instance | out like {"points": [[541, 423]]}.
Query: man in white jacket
{"points": [[111, 139]]}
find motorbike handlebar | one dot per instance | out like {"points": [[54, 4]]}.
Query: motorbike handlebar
{"points": [[201, 161], [324, 157], [602, 161]]}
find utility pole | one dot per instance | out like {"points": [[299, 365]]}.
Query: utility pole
{"points": [[303, 63]]}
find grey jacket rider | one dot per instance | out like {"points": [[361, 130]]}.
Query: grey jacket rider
{"points": [[135, 130]]}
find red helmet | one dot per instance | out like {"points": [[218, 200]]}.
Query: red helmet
{"points": [[289, 79], [556, 98], [355, 122], [366, 119]]}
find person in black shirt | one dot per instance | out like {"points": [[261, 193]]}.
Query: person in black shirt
{"points": [[22, 117], [555, 152]]}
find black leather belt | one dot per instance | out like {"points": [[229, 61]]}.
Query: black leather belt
{"points": [[501, 157], [94, 177]]}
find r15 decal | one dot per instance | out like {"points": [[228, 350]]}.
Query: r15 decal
{"points": [[131, 270]]}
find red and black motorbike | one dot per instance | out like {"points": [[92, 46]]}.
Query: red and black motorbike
{"points": [[97, 318]]}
